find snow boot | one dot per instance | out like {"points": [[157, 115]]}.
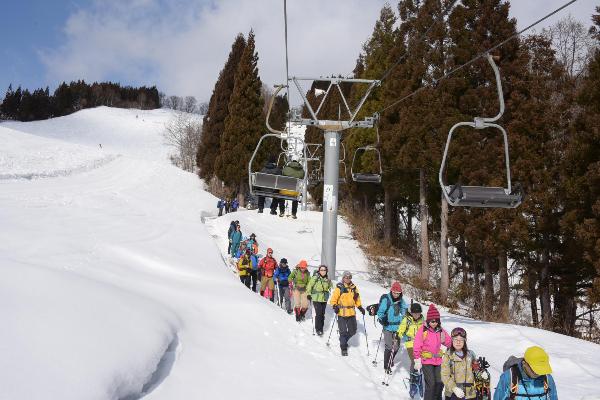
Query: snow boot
{"points": [[303, 314], [273, 212], [260, 211], [344, 352], [281, 214], [297, 312], [294, 216]]}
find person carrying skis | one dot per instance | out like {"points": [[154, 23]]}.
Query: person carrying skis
{"points": [[267, 267], [244, 267], [318, 290], [235, 239], [281, 276], [344, 299], [220, 206], [527, 378], [390, 313], [406, 331], [457, 368], [428, 355], [298, 281]]}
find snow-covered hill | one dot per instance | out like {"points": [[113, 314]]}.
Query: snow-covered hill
{"points": [[111, 286]]}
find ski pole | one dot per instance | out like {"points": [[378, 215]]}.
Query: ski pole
{"points": [[366, 337], [331, 330], [378, 345], [312, 316]]}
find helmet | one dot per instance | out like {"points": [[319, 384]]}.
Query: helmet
{"points": [[302, 264], [396, 287]]}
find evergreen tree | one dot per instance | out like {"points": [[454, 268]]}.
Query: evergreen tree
{"points": [[244, 122], [214, 120]]}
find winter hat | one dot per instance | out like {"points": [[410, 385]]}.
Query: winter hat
{"points": [[396, 287], [432, 313], [347, 274], [252, 235], [302, 264], [415, 308]]}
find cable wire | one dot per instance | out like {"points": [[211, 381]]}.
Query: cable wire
{"points": [[480, 55]]}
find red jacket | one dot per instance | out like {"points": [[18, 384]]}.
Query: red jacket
{"points": [[267, 265]]}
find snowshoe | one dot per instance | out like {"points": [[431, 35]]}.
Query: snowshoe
{"points": [[416, 385], [482, 379], [320, 333], [344, 352]]}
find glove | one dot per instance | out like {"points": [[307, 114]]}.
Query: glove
{"points": [[336, 309], [309, 297], [459, 392], [362, 310], [383, 321], [418, 364]]}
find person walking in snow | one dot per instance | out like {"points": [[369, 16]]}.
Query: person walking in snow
{"points": [[527, 378], [253, 243], [457, 368], [236, 239], [220, 206], [235, 205], [230, 231], [281, 277], [298, 282], [407, 330], [318, 290], [344, 299], [390, 314], [244, 267], [267, 267], [428, 353]]}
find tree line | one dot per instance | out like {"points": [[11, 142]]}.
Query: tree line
{"points": [[22, 105], [546, 253], [235, 121]]}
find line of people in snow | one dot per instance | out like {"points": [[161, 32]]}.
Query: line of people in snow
{"points": [[227, 205], [451, 373]]}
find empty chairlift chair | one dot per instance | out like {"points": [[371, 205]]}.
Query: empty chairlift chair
{"points": [[367, 177], [482, 196]]}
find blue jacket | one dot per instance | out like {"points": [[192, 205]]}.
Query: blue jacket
{"points": [[236, 239], [220, 204], [392, 312], [282, 275], [235, 204], [527, 385]]}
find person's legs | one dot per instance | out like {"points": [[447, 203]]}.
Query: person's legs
{"points": [[412, 359], [288, 300], [294, 207], [429, 378], [343, 328], [439, 385], [388, 338], [281, 206], [261, 203], [274, 204], [220, 211], [253, 276], [319, 315]]}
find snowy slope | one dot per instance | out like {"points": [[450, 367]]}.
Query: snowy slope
{"points": [[113, 288]]}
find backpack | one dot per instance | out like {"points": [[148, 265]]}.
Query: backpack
{"points": [[344, 289], [515, 376]]}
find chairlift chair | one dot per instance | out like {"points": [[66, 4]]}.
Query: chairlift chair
{"points": [[367, 177], [482, 196]]}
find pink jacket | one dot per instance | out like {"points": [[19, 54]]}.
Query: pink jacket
{"points": [[428, 349]]}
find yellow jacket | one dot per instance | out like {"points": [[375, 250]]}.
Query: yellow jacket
{"points": [[346, 297], [408, 329], [244, 265]]}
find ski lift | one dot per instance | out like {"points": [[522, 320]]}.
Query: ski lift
{"points": [[274, 185], [367, 177], [482, 196]]}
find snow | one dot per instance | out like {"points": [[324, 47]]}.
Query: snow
{"points": [[113, 287]]}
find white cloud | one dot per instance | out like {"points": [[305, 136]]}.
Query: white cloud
{"points": [[180, 45]]}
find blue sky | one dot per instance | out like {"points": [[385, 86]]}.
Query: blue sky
{"points": [[180, 45]]}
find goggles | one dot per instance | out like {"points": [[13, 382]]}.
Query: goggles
{"points": [[459, 332]]}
